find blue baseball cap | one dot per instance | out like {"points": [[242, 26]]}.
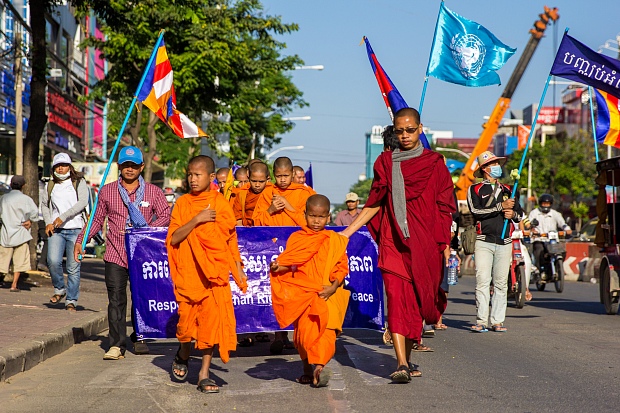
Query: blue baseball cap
{"points": [[130, 154]]}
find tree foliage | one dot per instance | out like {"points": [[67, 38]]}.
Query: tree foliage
{"points": [[226, 60], [564, 166]]}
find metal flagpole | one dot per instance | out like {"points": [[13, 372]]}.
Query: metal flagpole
{"points": [[591, 92], [428, 65], [120, 134]]}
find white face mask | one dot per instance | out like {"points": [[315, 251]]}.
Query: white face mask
{"points": [[62, 176]]}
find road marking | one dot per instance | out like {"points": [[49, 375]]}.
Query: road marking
{"points": [[336, 382]]}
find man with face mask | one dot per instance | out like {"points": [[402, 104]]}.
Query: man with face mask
{"points": [[490, 203], [548, 220]]}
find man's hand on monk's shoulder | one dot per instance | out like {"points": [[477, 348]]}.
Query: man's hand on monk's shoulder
{"points": [[206, 215]]}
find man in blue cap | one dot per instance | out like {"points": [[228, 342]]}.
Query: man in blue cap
{"points": [[128, 202]]}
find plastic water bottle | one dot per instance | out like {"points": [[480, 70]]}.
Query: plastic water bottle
{"points": [[453, 264]]}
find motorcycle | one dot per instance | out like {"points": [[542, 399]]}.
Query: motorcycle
{"points": [[551, 270], [517, 278]]}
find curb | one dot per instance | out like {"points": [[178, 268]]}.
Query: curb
{"points": [[27, 354]]}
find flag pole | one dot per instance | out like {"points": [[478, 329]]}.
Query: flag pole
{"points": [[529, 140], [428, 65], [590, 93], [527, 146], [120, 134]]}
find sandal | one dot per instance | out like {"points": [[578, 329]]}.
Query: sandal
{"points": [[246, 342], [55, 299], [204, 383], [479, 328], [440, 326], [498, 328], [71, 308], [387, 337], [321, 377], [182, 365], [261, 338], [401, 375], [304, 379], [419, 347], [413, 371]]}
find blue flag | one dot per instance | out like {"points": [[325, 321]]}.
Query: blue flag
{"points": [[466, 53], [576, 61]]}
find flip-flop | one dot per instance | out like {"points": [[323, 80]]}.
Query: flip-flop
{"points": [[204, 383], [304, 379], [15, 290], [441, 327], [322, 377], [478, 328], [498, 328], [413, 371]]}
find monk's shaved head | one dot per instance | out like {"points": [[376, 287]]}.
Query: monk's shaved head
{"points": [[208, 163], [222, 172], [283, 163], [318, 201], [408, 112], [258, 167], [243, 171], [297, 168]]}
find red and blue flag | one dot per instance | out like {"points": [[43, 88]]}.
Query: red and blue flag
{"points": [[608, 120], [392, 97]]}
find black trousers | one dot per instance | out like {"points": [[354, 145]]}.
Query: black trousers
{"points": [[116, 280], [538, 250]]}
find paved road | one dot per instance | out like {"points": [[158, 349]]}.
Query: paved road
{"points": [[561, 354]]}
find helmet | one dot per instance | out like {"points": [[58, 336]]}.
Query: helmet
{"points": [[545, 198]]}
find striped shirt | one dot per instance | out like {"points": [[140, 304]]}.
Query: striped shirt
{"points": [[110, 205]]}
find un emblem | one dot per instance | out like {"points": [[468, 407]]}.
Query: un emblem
{"points": [[468, 52]]}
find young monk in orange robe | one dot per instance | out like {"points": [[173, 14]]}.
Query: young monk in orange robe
{"points": [[306, 290], [202, 252], [244, 203], [282, 204]]}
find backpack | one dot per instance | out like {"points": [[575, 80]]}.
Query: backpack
{"points": [[468, 236], [50, 188]]}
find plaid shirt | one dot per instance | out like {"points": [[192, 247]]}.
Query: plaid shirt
{"points": [[156, 212]]}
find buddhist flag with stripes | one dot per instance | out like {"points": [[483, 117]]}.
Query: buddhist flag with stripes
{"points": [[608, 122], [157, 94]]}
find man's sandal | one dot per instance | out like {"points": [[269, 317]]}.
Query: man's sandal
{"points": [[71, 307], [204, 384], [55, 299], [498, 328], [478, 328], [179, 364], [441, 326], [419, 347], [413, 371], [401, 375]]}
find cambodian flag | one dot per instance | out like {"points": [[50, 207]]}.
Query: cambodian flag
{"points": [[393, 99], [608, 122], [157, 94]]}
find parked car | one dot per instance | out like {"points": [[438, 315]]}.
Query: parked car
{"points": [[588, 231]]}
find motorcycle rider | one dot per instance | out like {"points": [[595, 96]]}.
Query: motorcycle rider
{"points": [[549, 220]]}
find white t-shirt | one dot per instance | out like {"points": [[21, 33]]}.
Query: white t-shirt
{"points": [[63, 198]]}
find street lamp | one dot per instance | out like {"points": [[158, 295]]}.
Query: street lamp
{"points": [[312, 67], [284, 148], [467, 155]]}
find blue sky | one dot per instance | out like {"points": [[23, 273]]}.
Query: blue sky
{"points": [[344, 98]]}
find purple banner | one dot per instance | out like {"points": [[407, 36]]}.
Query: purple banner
{"points": [[576, 61], [155, 305]]}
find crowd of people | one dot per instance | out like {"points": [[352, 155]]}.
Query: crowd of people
{"points": [[411, 213]]}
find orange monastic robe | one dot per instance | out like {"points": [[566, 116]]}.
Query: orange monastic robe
{"points": [[244, 206], [200, 267], [296, 194], [320, 258]]}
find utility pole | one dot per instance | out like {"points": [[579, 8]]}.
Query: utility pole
{"points": [[19, 139]]}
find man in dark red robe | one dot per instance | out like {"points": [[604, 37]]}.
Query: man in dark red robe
{"points": [[409, 211]]}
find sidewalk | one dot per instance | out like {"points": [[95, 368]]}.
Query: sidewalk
{"points": [[33, 329]]}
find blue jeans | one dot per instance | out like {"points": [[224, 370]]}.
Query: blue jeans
{"points": [[492, 262], [59, 244]]}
